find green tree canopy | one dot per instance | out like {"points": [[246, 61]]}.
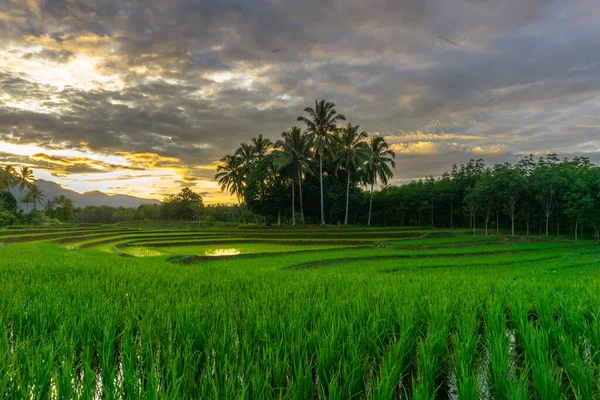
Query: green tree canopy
{"points": [[182, 206]]}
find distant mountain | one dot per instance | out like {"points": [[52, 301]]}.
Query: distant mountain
{"points": [[93, 198]]}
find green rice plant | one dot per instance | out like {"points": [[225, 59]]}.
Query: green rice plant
{"points": [[432, 350], [465, 342], [498, 347], [398, 355], [109, 360], [546, 375], [572, 354], [90, 324], [593, 336], [519, 389]]}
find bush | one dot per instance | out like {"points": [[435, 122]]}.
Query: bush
{"points": [[208, 220], [8, 202], [33, 217], [7, 218]]}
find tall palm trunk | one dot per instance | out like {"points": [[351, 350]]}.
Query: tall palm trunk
{"points": [[293, 206], [370, 205], [321, 183], [241, 209], [347, 194], [300, 188]]}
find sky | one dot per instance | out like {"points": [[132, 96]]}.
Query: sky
{"points": [[143, 97]]}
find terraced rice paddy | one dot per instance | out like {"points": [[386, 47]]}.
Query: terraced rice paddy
{"points": [[221, 250], [113, 312]]}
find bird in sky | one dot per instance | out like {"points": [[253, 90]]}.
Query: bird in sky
{"points": [[448, 40]]}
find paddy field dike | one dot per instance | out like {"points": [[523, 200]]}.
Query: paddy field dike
{"points": [[114, 311]]}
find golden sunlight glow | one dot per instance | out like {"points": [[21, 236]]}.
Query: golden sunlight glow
{"points": [[493, 149], [423, 136], [29, 104], [416, 148], [146, 175], [80, 71], [238, 79], [30, 150]]}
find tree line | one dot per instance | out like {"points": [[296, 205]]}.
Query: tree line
{"points": [[29, 193], [547, 194], [263, 175], [185, 205], [182, 206], [23, 180], [326, 157]]}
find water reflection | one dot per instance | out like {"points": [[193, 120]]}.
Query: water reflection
{"points": [[222, 252], [142, 252]]}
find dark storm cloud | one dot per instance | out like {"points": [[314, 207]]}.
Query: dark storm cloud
{"points": [[199, 77], [50, 55]]}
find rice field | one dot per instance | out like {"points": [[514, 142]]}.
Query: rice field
{"points": [[128, 312]]}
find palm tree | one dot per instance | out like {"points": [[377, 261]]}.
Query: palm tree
{"points": [[35, 195], [7, 179], [351, 154], [322, 124], [293, 155], [49, 208], [247, 154], [63, 201], [377, 165], [24, 179], [64, 208], [261, 146], [230, 175], [26, 199]]}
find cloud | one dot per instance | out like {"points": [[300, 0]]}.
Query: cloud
{"points": [[65, 165], [421, 136], [34, 6], [149, 160], [416, 148], [172, 86], [583, 67], [57, 56], [432, 148], [491, 150]]}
